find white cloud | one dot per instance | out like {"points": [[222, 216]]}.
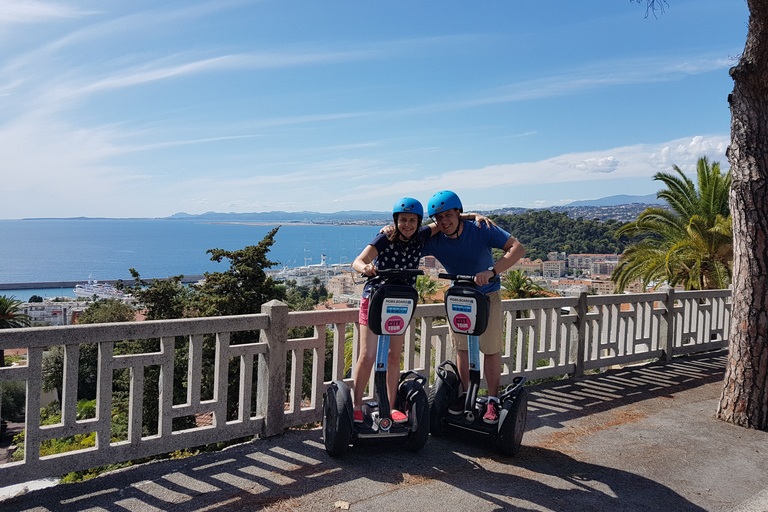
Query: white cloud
{"points": [[603, 165], [596, 75], [685, 152], [34, 11], [624, 163]]}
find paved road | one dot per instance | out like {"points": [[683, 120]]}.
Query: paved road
{"points": [[641, 438]]}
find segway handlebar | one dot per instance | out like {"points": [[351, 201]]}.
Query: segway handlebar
{"points": [[399, 272], [459, 277], [396, 272]]}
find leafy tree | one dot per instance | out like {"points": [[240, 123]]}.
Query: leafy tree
{"points": [[163, 299], [87, 372], [11, 317], [542, 232], [35, 298], [744, 400], [101, 311], [688, 244], [14, 397], [244, 287], [109, 310]]}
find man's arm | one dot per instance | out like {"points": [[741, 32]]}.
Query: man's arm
{"points": [[513, 251]]}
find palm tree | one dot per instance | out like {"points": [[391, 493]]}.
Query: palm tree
{"points": [[10, 317], [691, 243], [426, 287], [515, 284]]}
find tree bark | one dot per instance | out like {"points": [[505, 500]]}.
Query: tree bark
{"points": [[744, 399]]}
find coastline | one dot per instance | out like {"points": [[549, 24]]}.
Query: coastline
{"points": [[317, 224]]}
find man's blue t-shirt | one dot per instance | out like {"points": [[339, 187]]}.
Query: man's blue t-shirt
{"points": [[470, 253]]}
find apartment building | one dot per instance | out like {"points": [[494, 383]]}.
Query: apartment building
{"points": [[585, 261], [346, 288], [553, 268], [603, 268], [535, 267], [53, 313]]}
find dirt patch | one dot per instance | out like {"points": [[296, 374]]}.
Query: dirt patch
{"points": [[566, 440]]}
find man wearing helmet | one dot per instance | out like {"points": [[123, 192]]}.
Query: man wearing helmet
{"points": [[466, 249]]}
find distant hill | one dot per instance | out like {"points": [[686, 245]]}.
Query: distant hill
{"points": [[623, 208], [279, 217], [618, 200]]}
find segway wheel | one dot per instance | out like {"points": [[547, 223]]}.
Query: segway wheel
{"points": [[512, 429], [439, 400], [337, 426], [418, 438]]}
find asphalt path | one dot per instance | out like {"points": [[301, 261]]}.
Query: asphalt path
{"points": [[630, 439]]}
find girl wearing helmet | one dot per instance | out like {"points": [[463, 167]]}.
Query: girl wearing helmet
{"points": [[400, 249]]}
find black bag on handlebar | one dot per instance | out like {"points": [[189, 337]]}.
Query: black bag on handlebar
{"points": [[467, 309], [391, 308]]}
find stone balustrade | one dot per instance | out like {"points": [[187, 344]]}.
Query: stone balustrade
{"points": [[544, 337]]}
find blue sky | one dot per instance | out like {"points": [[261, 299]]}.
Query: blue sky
{"points": [[144, 109]]}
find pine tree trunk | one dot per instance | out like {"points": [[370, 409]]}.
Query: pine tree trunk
{"points": [[744, 400]]}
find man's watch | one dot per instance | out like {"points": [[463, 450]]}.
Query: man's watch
{"points": [[493, 270]]}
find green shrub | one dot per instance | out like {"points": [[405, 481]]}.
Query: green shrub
{"points": [[14, 396]]}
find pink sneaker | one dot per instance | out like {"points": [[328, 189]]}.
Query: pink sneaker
{"points": [[358, 416], [397, 416], [491, 415]]}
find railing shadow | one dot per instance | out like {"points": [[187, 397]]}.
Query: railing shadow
{"points": [[293, 472], [553, 403]]}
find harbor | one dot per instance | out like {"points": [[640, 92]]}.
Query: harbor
{"points": [[306, 275], [72, 284]]}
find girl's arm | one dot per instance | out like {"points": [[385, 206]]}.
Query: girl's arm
{"points": [[478, 218], [364, 262]]}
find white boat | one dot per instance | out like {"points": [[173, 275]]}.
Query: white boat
{"points": [[306, 275], [100, 290]]}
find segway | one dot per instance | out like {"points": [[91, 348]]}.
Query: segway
{"points": [[468, 310], [390, 310]]}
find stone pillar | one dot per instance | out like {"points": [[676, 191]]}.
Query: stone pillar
{"points": [[271, 372], [667, 323], [579, 346]]}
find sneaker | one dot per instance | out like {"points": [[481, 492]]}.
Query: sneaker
{"points": [[397, 416], [491, 415], [358, 416], [457, 407]]}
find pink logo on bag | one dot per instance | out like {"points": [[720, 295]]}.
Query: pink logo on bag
{"points": [[461, 323], [394, 324]]}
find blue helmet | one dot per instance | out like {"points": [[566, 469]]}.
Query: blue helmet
{"points": [[442, 201], [408, 205]]}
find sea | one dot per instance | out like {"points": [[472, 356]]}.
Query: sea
{"points": [[40, 250]]}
